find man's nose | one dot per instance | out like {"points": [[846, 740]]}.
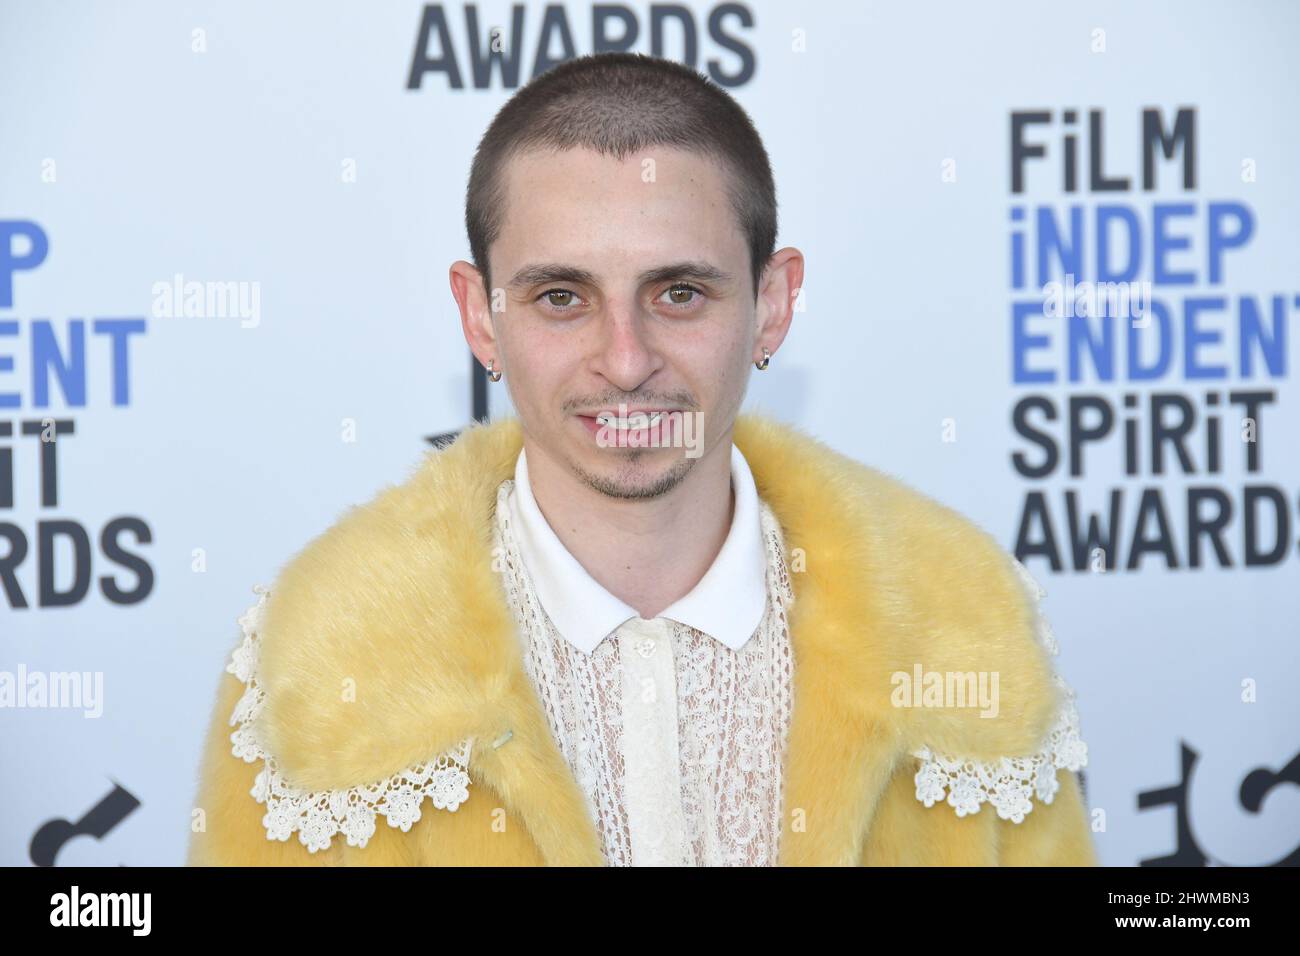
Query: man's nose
{"points": [[627, 354]]}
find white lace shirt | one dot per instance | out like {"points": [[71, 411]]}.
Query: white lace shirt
{"points": [[675, 728]]}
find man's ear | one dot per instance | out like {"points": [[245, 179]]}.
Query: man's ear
{"points": [[476, 311], [778, 289]]}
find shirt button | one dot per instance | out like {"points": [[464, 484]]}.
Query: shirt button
{"points": [[646, 646]]}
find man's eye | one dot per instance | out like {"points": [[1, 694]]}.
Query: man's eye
{"points": [[681, 289], [563, 303]]}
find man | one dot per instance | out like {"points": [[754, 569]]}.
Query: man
{"points": [[632, 625]]}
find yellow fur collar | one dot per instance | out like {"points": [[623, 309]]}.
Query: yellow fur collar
{"points": [[399, 601]]}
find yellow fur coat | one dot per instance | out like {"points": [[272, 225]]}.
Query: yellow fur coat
{"points": [[387, 641]]}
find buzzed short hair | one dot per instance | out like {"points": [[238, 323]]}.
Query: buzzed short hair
{"points": [[619, 104]]}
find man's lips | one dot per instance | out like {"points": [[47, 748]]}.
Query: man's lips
{"points": [[649, 423]]}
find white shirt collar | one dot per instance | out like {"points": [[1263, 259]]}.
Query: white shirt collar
{"points": [[727, 604]]}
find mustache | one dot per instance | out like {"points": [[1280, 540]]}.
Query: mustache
{"points": [[681, 400]]}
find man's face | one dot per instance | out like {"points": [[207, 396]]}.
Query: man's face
{"points": [[622, 282]]}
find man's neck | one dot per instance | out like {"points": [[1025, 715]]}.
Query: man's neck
{"points": [[647, 552]]}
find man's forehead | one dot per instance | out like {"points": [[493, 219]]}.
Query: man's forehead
{"points": [[593, 213], [579, 185]]}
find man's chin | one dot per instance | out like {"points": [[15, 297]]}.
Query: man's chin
{"points": [[633, 472]]}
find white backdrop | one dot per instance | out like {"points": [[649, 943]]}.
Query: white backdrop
{"points": [[278, 147]]}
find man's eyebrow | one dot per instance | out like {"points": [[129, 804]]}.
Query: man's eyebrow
{"points": [[699, 271], [539, 273], [549, 272]]}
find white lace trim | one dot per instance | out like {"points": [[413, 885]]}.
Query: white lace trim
{"points": [[697, 783], [317, 816], [1011, 783]]}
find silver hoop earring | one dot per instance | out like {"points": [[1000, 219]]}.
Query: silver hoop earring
{"points": [[763, 364], [494, 375]]}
